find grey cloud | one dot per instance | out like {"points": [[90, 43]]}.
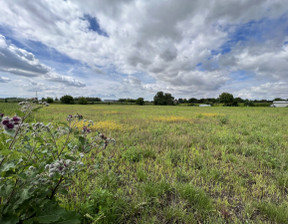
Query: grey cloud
{"points": [[169, 54], [18, 61]]}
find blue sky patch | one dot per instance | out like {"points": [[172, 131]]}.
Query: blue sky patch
{"points": [[40, 50], [253, 31], [94, 25], [241, 75]]}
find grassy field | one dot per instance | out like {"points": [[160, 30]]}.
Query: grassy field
{"points": [[174, 164]]}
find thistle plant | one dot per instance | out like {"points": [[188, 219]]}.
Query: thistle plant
{"points": [[38, 162]]}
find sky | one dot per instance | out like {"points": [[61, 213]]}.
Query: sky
{"points": [[134, 48]]}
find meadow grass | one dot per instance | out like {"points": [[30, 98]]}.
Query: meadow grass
{"points": [[180, 164]]}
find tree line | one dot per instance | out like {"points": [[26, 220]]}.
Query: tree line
{"points": [[161, 98]]}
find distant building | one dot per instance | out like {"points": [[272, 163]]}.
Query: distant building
{"points": [[279, 104], [204, 105], [110, 101]]}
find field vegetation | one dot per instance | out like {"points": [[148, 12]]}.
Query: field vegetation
{"points": [[174, 164]]}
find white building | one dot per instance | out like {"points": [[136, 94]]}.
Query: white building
{"points": [[204, 105], [110, 101], [279, 104]]}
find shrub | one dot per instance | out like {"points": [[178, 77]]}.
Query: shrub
{"points": [[49, 100], [163, 99], [140, 101], [82, 100], [67, 99], [37, 162]]}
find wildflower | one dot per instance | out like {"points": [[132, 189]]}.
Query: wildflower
{"points": [[32, 168], [68, 162], [102, 136], [9, 126], [80, 163], [69, 118], [5, 120], [75, 147], [78, 116], [81, 155], [16, 120], [86, 130], [1, 115]]}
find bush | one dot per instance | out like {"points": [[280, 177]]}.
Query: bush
{"points": [[37, 161], [82, 100], [227, 99], [163, 99], [67, 99], [140, 101], [49, 100]]}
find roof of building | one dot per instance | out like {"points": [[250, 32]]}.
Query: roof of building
{"points": [[280, 102]]}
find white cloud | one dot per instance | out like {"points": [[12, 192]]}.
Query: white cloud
{"points": [[165, 40], [267, 90], [23, 63], [19, 61], [4, 79], [54, 77]]}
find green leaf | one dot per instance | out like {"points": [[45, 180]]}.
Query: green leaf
{"points": [[10, 133], [8, 166], [53, 213], [5, 152], [26, 138], [25, 194], [9, 220], [47, 218], [81, 140]]}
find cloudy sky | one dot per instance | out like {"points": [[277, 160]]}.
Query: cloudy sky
{"points": [[134, 48]]}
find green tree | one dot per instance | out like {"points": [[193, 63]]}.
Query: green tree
{"points": [[227, 99], [49, 100], [67, 99], [140, 101], [248, 103], [192, 100], [163, 99], [82, 100]]}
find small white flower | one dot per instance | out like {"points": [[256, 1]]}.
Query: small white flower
{"points": [[80, 163], [32, 168], [68, 161], [81, 155], [51, 174]]}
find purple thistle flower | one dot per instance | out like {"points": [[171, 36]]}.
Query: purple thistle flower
{"points": [[5, 121], [86, 130], [9, 126], [16, 120], [1, 115], [69, 118]]}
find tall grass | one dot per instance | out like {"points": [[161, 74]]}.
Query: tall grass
{"points": [[181, 164]]}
